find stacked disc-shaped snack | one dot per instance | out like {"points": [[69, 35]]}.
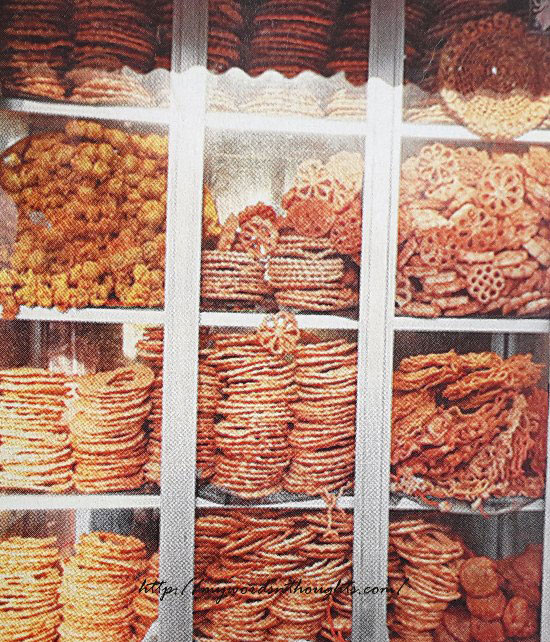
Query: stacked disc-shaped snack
{"points": [[350, 51], [29, 588], [258, 387], [150, 351], [417, 15], [208, 397], [323, 435], [106, 422], [291, 37], [110, 34], [346, 104], [163, 15], [35, 450], [146, 603], [34, 47], [225, 23], [99, 585], [425, 578], [97, 86]]}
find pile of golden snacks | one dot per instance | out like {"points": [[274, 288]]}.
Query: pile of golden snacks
{"points": [[84, 219]]}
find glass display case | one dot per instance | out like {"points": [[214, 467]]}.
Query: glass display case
{"points": [[304, 247]]}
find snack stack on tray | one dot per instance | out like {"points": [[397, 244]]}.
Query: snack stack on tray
{"points": [[100, 87], [469, 427], [29, 588], [288, 411], [150, 351], [91, 205], [281, 100], [106, 422], [350, 50], [474, 233], [225, 26], [307, 259], [312, 547], [323, 433], [428, 556], [291, 37], [34, 48], [35, 448], [209, 395], [449, 594], [99, 584], [163, 15], [146, 604], [417, 17], [252, 437], [111, 34], [347, 104]]}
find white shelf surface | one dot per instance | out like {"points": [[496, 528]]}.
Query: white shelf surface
{"points": [[32, 501], [410, 504], [447, 324], [436, 131], [253, 320], [343, 502], [135, 114], [94, 315], [284, 124]]}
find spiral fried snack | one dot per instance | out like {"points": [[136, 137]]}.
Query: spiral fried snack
{"points": [[252, 437], [106, 421], [35, 450], [468, 427], [323, 433], [150, 351], [308, 549], [30, 580], [99, 585]]}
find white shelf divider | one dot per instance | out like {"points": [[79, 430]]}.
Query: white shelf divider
{"points": [[94, 315], [308, 504], [406, 503], [433, 131], [253, 320], [32, 501], [153, 115], [447, 324], [243, 122]]}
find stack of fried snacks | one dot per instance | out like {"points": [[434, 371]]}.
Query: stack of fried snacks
{"points": [[91, 219], [323, 434], [99, 583], [429, 557], [311, 549], [35, 449], [209, 396], [469, 426], [29, 589], [258, 388], [150, 351], [146, 604], [106, 422]]}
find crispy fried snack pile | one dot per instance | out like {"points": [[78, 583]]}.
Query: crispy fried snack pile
{"points": [[91, 219], [474, 233], [469, 426]]}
